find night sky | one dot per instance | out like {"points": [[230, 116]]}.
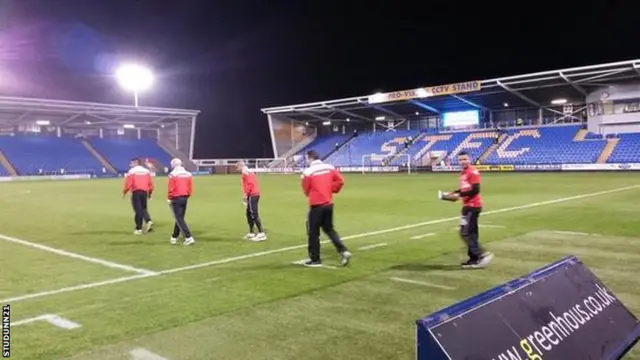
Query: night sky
{"points": [[230, 58]]}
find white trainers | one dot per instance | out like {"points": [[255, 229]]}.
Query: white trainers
{"points": [[439, 194], [173, 241], [485, 260], [260, 237], [346, 257], [137, 232], [189, 241], [149, 227], [249, 236]]}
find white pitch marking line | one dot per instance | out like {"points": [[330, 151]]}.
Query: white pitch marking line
{"points": [[297, 247], [52, 319], [423, 283], [570, 233], [374, 246], [144, 354], [75, 288], [76, 256], [422, 236]]}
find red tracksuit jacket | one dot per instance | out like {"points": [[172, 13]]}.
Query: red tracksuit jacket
{"points": [[138, 178], [250, 186], [180, 183], [320, 181]]}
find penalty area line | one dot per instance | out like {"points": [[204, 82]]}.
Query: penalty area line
{"points": [[297, 247]]}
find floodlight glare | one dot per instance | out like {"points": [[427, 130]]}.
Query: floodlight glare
{"points": [[559, 101], [135, 78]]}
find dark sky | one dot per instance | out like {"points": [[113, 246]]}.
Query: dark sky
{"points": [[230, 58]]}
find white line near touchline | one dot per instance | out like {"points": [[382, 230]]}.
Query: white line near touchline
{"points": [[50, 249], [296, 247], [422, 283], [422, 236]]}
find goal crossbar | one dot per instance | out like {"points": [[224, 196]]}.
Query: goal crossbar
{"points": [[376, 163]]}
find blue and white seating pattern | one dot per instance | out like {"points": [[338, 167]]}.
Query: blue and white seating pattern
{"points": [[475, 143], [546, 145], [379, 143]]}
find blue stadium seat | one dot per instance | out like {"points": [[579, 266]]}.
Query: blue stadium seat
{"points": [[475, 143], [379, 143], [119, 152], [323, 145], [30, 154], [546, 145], [627, 150]]}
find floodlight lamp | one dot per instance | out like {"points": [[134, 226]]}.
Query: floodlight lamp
{"points": [[128, 126], [505, 104], [43, 122], [326, 123], [380, 118], [134, 77], [348, 119], [559, 101]]}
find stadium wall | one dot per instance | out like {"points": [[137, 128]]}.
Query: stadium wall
{"points": [[287, 133], [614, 110]]}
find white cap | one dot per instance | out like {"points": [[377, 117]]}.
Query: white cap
{"points": [[176, 162]]}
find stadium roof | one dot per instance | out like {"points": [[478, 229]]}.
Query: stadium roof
{"points": [[15, 111], [535, 90]]}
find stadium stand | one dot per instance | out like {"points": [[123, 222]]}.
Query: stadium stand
{"points": [[547, 145], [554, 144], [32, 154], [324, 145], [475, 143], [38, 155], [120, 151], [382, 143], [626, 149]]}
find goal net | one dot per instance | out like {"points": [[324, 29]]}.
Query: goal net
{"points": [[260, 166], [383, 163]]}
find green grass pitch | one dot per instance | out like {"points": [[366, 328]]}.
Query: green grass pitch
{"points": [[227, 298]]}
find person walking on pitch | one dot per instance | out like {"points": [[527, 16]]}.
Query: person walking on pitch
{"points": [[139, 181], [179, 190], [319, 182], [469, 191], [251, 198]]}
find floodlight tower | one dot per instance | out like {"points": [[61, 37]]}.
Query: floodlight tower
{"points": [[135, 78]]}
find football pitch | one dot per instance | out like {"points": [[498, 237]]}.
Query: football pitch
{"points": [[82, 286]]}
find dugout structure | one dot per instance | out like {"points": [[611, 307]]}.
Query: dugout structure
{"points": [[174, 129], [559, 96]]}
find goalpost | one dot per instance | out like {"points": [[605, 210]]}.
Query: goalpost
{"points": [[261, 166], [381, 163]]}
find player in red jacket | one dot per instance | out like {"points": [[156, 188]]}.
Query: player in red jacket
{"points": [[139, 181], [179, 190], [469, 192], [319, 182], [251, 198]]}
